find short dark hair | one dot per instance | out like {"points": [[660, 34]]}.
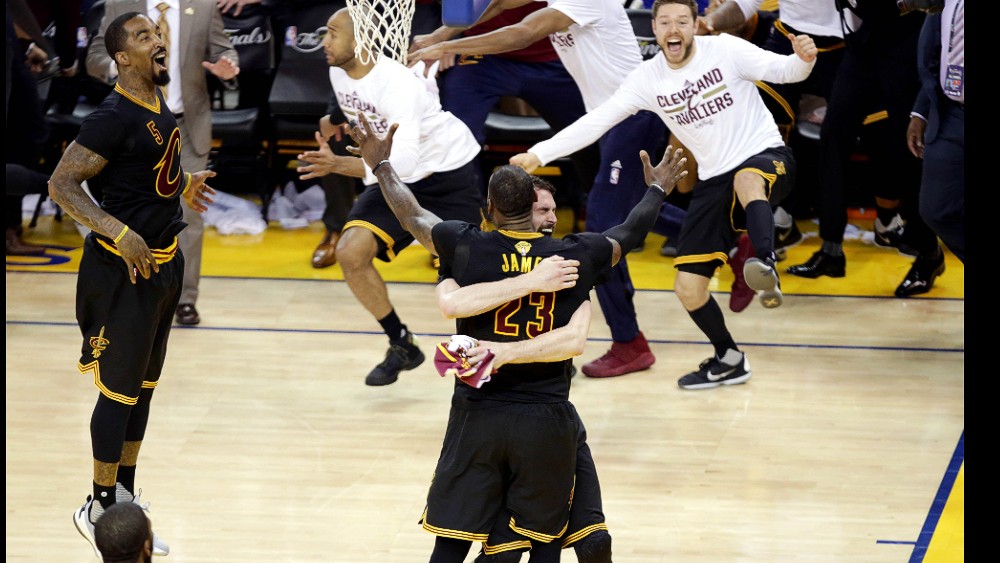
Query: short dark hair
{"points": [[689, 3], [115, 37], [540, 183], [121, 532], [511, 190]]}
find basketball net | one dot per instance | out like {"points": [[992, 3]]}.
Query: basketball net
{"points": [[381, 27]]}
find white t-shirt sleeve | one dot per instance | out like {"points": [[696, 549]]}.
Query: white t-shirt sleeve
{"points": [[583, 132], [748, 7], [582, 12], [755, 63]]}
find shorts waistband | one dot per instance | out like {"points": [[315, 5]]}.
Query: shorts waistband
{"points": [[161, 255]]}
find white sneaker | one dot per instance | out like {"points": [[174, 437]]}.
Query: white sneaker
{"points": [[160, 547], [83, 524]]}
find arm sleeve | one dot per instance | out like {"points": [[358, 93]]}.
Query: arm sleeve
{"points": [[445, 236], [757, 64], [583, 132], [640, 220]]}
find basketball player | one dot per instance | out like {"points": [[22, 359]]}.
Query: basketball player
{"points": [[511, 443], [596, 44], [587, 531], [132, 270], [435, 155], [703, 88]]}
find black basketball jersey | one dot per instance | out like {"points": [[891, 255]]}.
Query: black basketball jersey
{"points": [[470, 255], [143, 180]]}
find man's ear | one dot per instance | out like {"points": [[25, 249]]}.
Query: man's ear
{"points": [[121, 58]]}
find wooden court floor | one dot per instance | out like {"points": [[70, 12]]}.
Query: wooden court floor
{"points": [[265, 445]]}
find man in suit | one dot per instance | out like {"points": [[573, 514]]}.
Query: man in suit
{"points": [[197, 26], [937, 124]]}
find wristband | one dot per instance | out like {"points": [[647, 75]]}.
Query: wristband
{"points": [[118, 238], [657, 186], [379, 165]]}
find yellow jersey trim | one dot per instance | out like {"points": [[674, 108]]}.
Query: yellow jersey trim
{"points": [[155, 108], [162, 256], [519, 235]]}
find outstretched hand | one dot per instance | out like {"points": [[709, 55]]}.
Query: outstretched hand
{"points": [[225, 68], [370, 147], [199, 195], [526, 160], [668, 172]]}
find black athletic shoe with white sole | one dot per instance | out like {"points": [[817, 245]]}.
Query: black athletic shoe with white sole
{"points": [[713, 373]]}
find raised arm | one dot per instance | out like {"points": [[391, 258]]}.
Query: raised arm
{"points": [[375, 152], [552, 274], [510, 38]]}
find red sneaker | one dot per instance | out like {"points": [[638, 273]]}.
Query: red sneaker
{"points": [[740, 295], [621, 359]]}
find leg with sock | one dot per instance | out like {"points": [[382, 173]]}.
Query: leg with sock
{"points": [[728, 366], [759, 271]]}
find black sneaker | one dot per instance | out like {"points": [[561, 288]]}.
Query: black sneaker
{"points": [[785, 238], [401, 356], [713, 373], [761, 277], [891, 236]]}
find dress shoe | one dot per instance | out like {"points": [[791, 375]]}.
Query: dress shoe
{"points": [[17, 247], [187, 314], [920, 278], [820, 264], [325, 254]]}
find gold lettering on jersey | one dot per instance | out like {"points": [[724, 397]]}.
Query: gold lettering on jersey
{"points": [[156, 132], [523, 248], [514, 263], [99, 344], [779, 167]]}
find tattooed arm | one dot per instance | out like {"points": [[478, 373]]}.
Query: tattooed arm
{"points": [[78, 164], [375, 151]]}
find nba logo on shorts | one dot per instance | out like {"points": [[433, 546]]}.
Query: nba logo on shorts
{"points": [[291, 32], [81, 38], [616, 170]]}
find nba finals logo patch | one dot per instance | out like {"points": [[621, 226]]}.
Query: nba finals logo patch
{"points": [[99, 344], [779, 167], [523, 247], [616, 171]]}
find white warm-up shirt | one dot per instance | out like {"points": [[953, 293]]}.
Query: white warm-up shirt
{"points": [[428, 139], [813, 17], [599, 49], [712, 104]]}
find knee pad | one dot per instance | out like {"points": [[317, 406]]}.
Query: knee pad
{"points": [[595, 548]]}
